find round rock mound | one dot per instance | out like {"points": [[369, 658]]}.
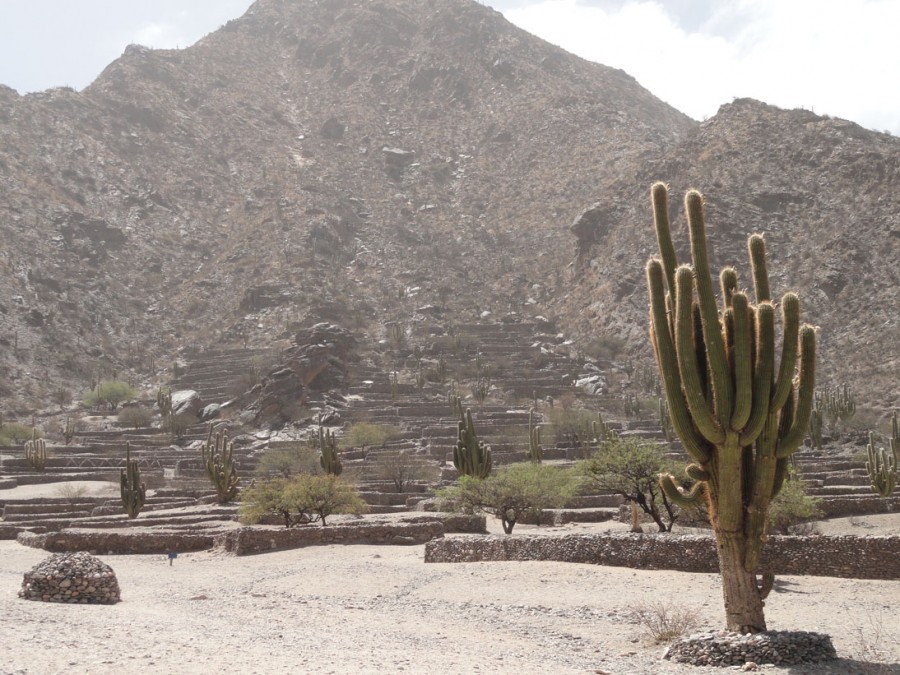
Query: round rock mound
{"points": [[723, 648], [73, 578]]}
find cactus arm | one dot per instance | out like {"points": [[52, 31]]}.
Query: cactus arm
{"points": [[723, 394], [756, 246], [790, 314], [664, 348], [697, 404], [741, 363], [805, 394], [762, 379], [728, 282], [659, 197], [686, 500]]}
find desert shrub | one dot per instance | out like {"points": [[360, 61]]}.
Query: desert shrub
{"points": [[665, 621], [179, 424], [13, 433], [71, 492], [135, 416], [513, 491], [793, 507], [288, 460], [405, 468], [631, 469], [366, 433], [605, 347], [109, 393], [301, 499], [569, 423]]}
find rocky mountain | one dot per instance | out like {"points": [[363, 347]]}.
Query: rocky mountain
{"points": [[401, 161]]}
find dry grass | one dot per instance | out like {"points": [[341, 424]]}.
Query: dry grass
{"points": [[665, 621]]}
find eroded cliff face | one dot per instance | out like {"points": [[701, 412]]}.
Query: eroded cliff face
{"points": [[363, 163]]}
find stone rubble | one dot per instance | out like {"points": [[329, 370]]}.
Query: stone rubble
{"points": [[71, 578], [723, 648]]}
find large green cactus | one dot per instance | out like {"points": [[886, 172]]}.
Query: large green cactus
{"points": [[330, 458], [471, 457], [133, 491], [217, 455], [738, 415], [36, 452]]}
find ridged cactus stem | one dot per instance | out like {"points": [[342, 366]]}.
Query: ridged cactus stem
{"points": [[131, 489], [882, 467], [330, 459], [217, 455], [471, 457], [36, 451], [535, 449], [739, 413]]}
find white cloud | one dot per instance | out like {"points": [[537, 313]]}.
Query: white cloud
{"points": [[839, 59], [161, 36]]}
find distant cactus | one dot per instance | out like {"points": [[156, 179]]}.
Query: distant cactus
{"points": [[217, 455], [665, 421], [471, 457], [535, 449], [68, 430], [840, 403], [455, 403], [132, 490], [330, 458], [36, 451], [394, 381], [816, 425], [882, 466], [602, 432]]}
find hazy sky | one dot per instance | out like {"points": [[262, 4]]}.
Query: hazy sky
{"points": [[836, 57]]}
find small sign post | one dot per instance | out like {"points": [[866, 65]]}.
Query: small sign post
{"points": [[172, 556]]}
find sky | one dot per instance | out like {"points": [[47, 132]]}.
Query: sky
{"points": [[834, 57]]}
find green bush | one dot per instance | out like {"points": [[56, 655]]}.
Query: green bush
{"points": [[566, 422], [13, 433], [366, 433], [631, 469], [792, 507], [288, 460], [404, 468], [136, 416], [301, 499], [110, 393], [513, 491]]}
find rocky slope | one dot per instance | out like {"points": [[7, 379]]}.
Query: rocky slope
{"points": [[376, 162]]}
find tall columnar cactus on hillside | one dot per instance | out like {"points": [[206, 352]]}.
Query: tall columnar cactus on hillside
{"points": [[535, 449], [217, 455], [132, 490], [817, 425], [330, 458], [882, 465], [471, 457], [733, 404], [36, 451]]}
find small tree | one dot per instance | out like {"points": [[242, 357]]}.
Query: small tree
{"points": [[301, 499], [514, 491], [631, 469], [792, 506], [405, 468], [135, 416], [110, 393], [288, 460]]}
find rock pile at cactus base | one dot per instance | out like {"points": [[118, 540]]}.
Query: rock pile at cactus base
{"points": [[722, 648], [73, 578]]}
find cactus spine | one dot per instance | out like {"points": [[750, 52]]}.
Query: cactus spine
{"points": [[133, 491], [217, 455], [535, 449], [330, 459], [471, 457], [738, 415], [36, 451]]}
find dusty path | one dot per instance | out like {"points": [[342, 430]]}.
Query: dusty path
{"points": [[365, 609]]}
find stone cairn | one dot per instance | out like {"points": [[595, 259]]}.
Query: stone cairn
{"points": [[72, 578], [781, 648]]}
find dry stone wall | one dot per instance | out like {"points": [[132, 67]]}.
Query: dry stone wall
{"points": [[848, 557]]}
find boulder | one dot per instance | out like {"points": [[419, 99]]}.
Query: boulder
{"points": [[71, 578]]}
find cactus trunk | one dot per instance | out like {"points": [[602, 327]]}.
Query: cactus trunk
{"points": [[738, 415]]}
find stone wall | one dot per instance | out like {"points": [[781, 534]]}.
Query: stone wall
{"points": [[849, 557], [110, 543], [251, 540]]}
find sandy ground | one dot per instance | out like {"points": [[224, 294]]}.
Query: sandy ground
{"points": [[367, 609]]}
